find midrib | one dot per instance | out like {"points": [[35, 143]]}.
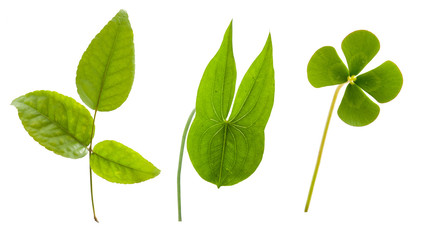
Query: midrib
{"points": [[222, 154], [57, 124], [104, 76]]}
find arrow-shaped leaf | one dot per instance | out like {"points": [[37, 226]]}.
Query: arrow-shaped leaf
{"points": [[225, 152]]}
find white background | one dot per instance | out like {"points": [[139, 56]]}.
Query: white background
{"points": [[372, 182]]}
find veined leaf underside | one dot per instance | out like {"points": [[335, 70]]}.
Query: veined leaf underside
{"points": [[64, 129], [111, 163], [226, 145], [247, 97], [226, 131], [107, 66]]}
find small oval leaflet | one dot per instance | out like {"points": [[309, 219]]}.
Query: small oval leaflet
{"points": [[57, 122], [117, 163], [106, 70]]}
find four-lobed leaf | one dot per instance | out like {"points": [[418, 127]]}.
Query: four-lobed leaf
{"points": [[106, 70], [117, 163], [57, 122], [225, 151], [383, 83]]}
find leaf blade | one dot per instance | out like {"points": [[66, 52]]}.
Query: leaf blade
{"points": [[106, 70], [326, 68], [227, 152], [359, 48], [216, 90], [55, 121], [117, 163], [382, 83], [356, 109], [255, 96]]}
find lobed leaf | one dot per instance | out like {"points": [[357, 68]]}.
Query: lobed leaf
{"points": [[254, 99], [57, 122], [216, 89], [382, 83], [326, 68], [359, 48], [225, 152], [106, 70], [356, 108], [117, 163]]}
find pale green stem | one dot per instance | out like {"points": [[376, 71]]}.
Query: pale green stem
{"points": [[91, 193], [90, 169], [181, 153], [322, 144]]}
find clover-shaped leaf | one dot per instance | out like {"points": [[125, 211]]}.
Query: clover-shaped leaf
{"points": [[383, 83]]}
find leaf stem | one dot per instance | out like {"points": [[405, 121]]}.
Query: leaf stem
{"points": [[90, 169], [91, 195], [322, 144], [181, 153]]}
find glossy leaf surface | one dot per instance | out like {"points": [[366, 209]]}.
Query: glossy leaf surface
{"points": [[356, 108], [225, 152], [382, 83], [359, 48], [57, 122], [106, 70], [117, 163], [326, 68]]}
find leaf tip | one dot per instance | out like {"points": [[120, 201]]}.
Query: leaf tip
{"points": [[13, 103], [269, 42], [122, 16], [156, 172], [230, 28], [122, 13]]}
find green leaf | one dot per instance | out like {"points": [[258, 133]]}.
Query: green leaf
{"points": [[382, 83], [216, 89], [57, 122], [225, 152], [117, 163], [254, 99], [106, 70], [356, 108], [326, 68], [359, 48]]}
